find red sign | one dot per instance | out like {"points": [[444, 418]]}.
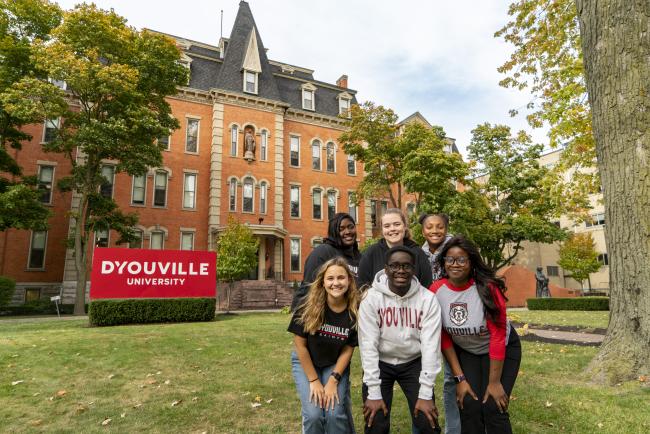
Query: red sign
{"points": [[140, 273]]}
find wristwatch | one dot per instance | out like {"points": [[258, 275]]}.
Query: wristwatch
{"points": [[336, 376], [459, 378]]}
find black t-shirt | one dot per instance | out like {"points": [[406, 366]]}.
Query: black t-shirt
{"points": [[326, 344]]}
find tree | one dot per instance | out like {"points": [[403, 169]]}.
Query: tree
{"points": [[507, 203], [579, 257], [236, 253], [616, 52], [410, 159], [547, 61], [21, 23], [114, 108]]}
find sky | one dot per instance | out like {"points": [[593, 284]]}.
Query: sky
{"points": [[436, 57]]}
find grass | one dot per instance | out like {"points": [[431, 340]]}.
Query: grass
{"points": [[216, 370], [586, 319]]}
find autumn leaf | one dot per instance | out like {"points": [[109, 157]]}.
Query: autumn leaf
{"points": [[643, 378], [549, 404], [268, 401], [61, 393], [107, 421], [255, 404], [37, 422], [258, 398], [175, 403], [17, 382]]}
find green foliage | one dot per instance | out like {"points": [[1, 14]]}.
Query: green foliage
{"points": [[410, 158], [236, 251], [578, 303], [579, 257], [21, 23], [150, 310], [7, 288], [548, 61], [369, 242], [40, 307]]}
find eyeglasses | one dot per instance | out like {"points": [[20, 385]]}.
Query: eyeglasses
{"points": [[460, 260], [394, 267]]}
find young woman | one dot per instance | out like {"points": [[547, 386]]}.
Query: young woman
{"points": [[395, 233], [480, 345], [325, 332], [434, 230]]}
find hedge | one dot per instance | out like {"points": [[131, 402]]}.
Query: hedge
{"points": [[7, 288], [38, 307], [578, 303], [151, 310]]}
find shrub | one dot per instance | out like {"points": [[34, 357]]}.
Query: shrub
{"points": [[7, 288], [151, 310], [39, 307], [578, 303]]}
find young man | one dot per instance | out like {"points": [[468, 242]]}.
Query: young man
{"points": [[399, 339]]}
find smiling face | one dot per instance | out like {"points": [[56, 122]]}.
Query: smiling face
{"points": [[458, 274], [348, 232], [399, 270], [336, 282], [434, 230], [393, 229]]}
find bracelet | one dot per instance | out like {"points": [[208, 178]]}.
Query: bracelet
{"points": [[311, 381]]}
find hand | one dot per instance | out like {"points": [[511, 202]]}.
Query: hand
{"points": [[428, 408], [462, 389], [317, 393], [371, 407], [495, 390], [331, 394]]}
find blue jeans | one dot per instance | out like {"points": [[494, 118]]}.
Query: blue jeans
{"points": [[452, 414], [316, 420]]}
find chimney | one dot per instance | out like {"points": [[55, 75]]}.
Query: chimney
{"points": [[342, 81]]}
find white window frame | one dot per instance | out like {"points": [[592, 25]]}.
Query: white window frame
{"points": [[111, 181], [187, 175], [335, 195], [162, 239], [264, 145], [344, 107], [243, 194], [354, 165], [313, 204], [317, 143], [234, 139], [153, 202], [299, 243], [49, 188], [353, 208], [291, 142], [55, 125], [96, 234], [144, 190], [169, 142], [183, 234], [255, 82], [187, 133], [263, 197], [327, 160], [312, 97], [31, 248], [141, 232], [232, 195], [293, 188]]}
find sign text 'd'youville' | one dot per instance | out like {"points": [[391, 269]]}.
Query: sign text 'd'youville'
{"points": [[158, 268]]}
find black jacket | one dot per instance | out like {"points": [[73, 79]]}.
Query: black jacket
{"points": [[332, 247], [374, 259]]}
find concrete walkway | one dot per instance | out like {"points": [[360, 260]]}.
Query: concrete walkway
{"points": [[571, 338]]}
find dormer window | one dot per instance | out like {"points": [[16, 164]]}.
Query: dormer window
{"points": [[308, 96], [344, 104], [250, 82]]}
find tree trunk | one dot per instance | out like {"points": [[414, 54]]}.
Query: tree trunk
{"points": [[80, 249], [589, 282], [616, 47]]}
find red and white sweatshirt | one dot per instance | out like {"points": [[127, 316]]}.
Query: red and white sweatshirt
{"points": [[465, 323]]}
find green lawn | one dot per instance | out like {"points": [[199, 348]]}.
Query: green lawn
{"points": [[75, 377], [587, 319]]}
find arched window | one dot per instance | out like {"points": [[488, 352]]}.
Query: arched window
{"points": [[317, 206], [331, 204], [331, 157], [160, 188], [315, 155], [232, 194], [263, 188], [247, 196]]}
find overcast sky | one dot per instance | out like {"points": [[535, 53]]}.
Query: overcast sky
{"points": [[432, 56]]}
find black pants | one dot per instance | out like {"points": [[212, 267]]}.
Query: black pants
{"points": [[407, 376], [476, 417]]}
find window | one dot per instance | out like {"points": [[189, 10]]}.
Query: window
{"points": [[344, 107], [247, 196], [101, 237], [138, 190], [45, 179], [373, 213], [160, 188], [61, 84], [308, 99], [137, 241], [232, 194], [157, 241], [234, 132], [316, 242], [264, 145], [32, 294], [294, 151], [163, 142], [317, 203], [106, 189], [250, 82], [192, 136], [603, 258], [263, 188], [37, 250], [295, 201], [51, 129], [596, 220], [189, 191], [331, 204], [315, 155], [352, 206], [331, 157], [552, 270], [187, 240], [410, 209], [383, 206], [352, 165], [295, 254]]}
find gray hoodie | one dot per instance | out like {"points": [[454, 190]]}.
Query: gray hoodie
{"points": [[396, 330]]}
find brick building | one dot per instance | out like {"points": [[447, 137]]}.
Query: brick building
{"points": [[258, 141]]}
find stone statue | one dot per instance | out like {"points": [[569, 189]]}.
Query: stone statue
{"points": [[541, 289], [249, 146]]}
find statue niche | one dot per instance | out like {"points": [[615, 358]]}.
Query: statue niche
{"points": [[249, 143]]}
